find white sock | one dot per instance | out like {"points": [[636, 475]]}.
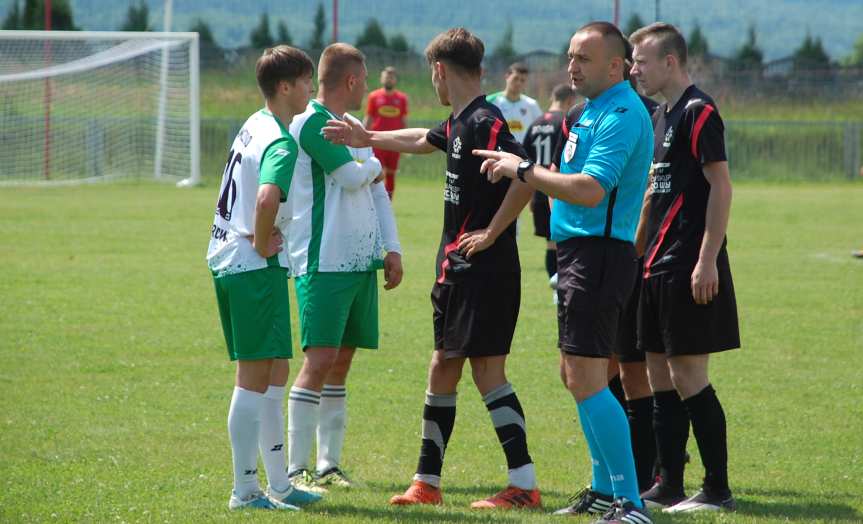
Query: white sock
{"points": [[271, 439], [523, 477], [331, 427], [244, 417], [303, 411]]}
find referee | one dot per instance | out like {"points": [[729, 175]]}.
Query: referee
{"points": [[598, 195]]}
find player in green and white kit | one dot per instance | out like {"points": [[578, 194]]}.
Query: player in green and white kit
{"points": [[518, 109], [342, 226], [250, 275]]}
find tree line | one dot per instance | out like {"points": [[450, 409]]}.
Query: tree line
{"points": [[30, 15]]}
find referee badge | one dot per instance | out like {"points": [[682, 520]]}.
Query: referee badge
{"points": [[569, 149]]}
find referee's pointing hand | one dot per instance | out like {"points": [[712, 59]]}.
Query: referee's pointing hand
{"points": [[498, 164]]}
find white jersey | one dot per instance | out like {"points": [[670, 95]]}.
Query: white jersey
{"points": [[230, 250], [334, 229], [519, 115]]}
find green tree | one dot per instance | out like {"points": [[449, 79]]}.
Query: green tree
{"points": [[811, 55], [697, 43], [633, 24], [33, 16], [317, 40], [13, 17], [283, 36], [749, 56], [205, 34], [504, 50], [855, 59], [399, 43], [137, 18], [372, 35], [260, 37]]}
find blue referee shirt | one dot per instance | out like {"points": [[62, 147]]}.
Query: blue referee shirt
{"points": [[613, 143]]}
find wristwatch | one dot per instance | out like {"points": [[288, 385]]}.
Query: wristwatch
{"points": [[523, 166]]}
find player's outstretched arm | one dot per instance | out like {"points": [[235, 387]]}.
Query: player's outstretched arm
{"points": [[353, 134], [577, 188], [267, 240]]}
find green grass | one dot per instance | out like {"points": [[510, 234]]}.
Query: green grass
{"points": [[115, 381]]}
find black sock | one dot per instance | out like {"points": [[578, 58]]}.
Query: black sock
{"points": [[616, 387], [640, 414], [551, 262], [508, 419], [438, 421], [671, 427], [708, 426]]}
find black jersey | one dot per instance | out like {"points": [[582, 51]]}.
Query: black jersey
{"points": [[542, 137], [470, 200], [687, 136], [572, 117]]}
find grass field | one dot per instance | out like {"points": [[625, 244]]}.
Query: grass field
{"points": [[115, 382]]}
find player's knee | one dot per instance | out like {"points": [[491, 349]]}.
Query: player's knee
{"points": [[318, 363]]}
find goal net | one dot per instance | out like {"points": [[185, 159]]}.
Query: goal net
{"points": [[88, 106]]}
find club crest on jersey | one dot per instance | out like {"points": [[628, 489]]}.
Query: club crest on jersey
{"points": [[456, 147], [571, 145], [245, 136], [668, 136]]}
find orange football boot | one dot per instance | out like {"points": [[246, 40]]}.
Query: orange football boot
{"points": [[419, 492], [511, 497]]}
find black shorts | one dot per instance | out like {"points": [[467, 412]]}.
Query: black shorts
{"points": [[595, 278], [476, 316], [626, 348], [670, 322], [541, 215]]}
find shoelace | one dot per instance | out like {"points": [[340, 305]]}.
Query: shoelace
{"points": [[578, 496]]}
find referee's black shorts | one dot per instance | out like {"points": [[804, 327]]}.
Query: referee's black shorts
{"points": [[626, 347], [670, 322], [476, 316], [596, 275]]}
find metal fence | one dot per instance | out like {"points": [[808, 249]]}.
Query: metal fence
{"points": [[757, 150]]}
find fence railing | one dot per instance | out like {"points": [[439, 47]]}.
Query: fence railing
{"points": [[759, 150]]}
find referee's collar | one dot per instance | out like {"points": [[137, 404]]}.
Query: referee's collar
{"points": [[609, 93]]}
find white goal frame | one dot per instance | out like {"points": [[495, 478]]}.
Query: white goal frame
{"points": [[194, 177]]}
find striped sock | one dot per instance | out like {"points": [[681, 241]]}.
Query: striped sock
{"points": [[508, 419], [438, 421], [303, 409], [331, 427]]}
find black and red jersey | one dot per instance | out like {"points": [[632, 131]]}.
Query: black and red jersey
{"points": [[470, 200], [686, 137], [542, 137]]}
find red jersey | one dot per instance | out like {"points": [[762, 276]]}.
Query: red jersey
{"points": [[387, 110]]}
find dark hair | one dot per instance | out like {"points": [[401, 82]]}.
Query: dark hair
{"points": [[459, 48], [281, 63], [518, 67], [562, 93], [335, 61], [671, 41], [619, 45]]}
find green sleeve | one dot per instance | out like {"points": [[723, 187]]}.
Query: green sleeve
{"points": [[323, 152], [492, 97], [277, 166]]}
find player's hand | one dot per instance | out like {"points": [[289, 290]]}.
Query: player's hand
{"points": [[498, 164], [473, 242], [274, 244], [348, 132], [393, 271], [705, 282]]}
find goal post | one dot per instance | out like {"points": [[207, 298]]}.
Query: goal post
{"points": [[81, 106]]}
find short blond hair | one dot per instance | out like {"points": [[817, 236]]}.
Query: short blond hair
{"points": [[336, 61], [670, 40]]}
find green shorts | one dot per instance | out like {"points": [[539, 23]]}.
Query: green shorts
{"points": [[338, 309], [256, 313]]}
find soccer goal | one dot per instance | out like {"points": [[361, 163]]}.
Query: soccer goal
{"points": [[87, 106]]}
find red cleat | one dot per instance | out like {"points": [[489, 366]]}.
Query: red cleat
{"points": [[419, 492], [511, 497]]}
